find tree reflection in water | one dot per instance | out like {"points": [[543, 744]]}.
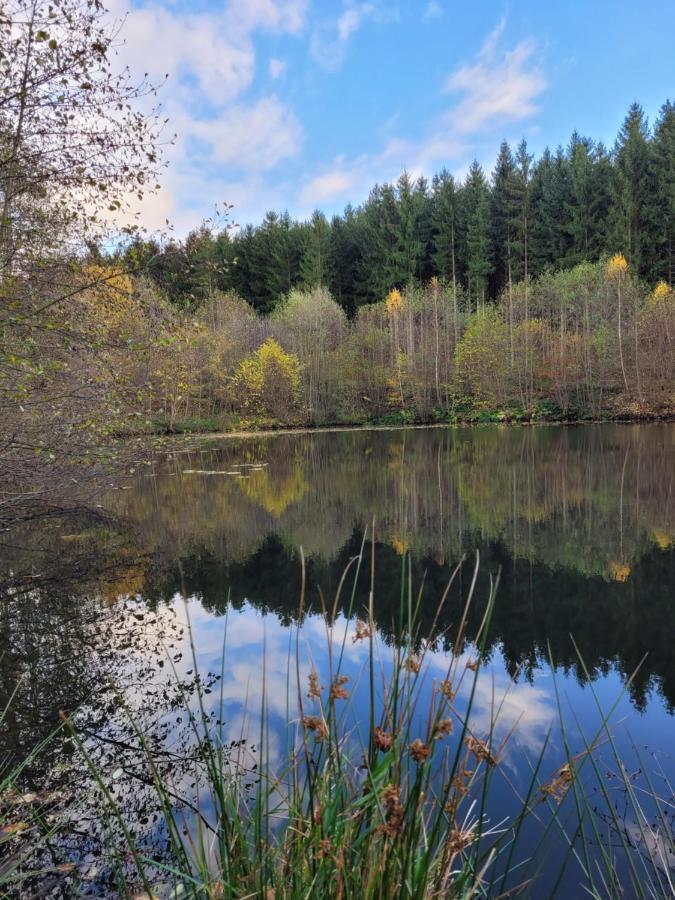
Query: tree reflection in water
{"points": [[580, 521]]}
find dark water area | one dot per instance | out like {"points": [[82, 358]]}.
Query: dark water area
{"points": [[577, 523]]}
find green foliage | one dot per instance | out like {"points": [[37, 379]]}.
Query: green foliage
{"points": [[481, 359], [163, 425], [572, 205], [267, 383]]}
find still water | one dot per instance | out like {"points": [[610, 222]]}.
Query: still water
{"points": [[577, 523]]}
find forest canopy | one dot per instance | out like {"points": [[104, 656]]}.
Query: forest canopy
{"points": [[480, 235]]}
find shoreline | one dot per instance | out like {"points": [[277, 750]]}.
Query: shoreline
{"points": [[417, 426]]}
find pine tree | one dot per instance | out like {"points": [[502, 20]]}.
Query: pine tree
{"points": [[661, 211], [631, 188], [550, 191], [588, 202], [410, 239], [445, 228], [345, 262], [476, 199], [315, 248], [502, 217]]}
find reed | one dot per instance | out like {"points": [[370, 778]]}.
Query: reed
{"points": [[394, 802]]}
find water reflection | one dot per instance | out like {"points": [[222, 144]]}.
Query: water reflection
{"points": [[581, 522]]}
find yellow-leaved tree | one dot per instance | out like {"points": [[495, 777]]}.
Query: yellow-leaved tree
{"points": [[267, 383]]}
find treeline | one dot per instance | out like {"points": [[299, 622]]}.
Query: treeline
{"points": [[587, 343], [480, 235]]}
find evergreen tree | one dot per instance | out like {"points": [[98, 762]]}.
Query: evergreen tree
{"points": [[549, 198], [661, 210], [315, 248], [345, 262], [224, 251], [410, 237], [503, 214], [522, 185], [243, 273], [588, 202], [476, 200], [380, 229], [276, 261], [445, 228], [630, 201]]}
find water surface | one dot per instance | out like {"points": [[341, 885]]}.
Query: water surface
{"points": [[578, 524]]}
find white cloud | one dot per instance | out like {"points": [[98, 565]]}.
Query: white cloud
{"points": [[330, 186], [351, 19], [434, 10], [497, 88], [195, 47], [273, 15], [276, 68], [210, 58], [330, 38], [251, 137]]}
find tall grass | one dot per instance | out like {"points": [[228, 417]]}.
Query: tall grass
{"points": [[394, 801]]}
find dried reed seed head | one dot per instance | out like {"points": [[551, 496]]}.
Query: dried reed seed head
{"points": [[481, 751], [412, 664], [362, 632], [443, 728], [460, 787], [317, 725], [325, 848], [558, 786], [337, 692], [458, 840], [391, 795], [419, 751], [473, 664], [391, 800], [314, 686], [382, 739], [447, 691]]}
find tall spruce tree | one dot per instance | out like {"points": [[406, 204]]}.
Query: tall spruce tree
{"points": [[345, 262], [549, 199], [476, 200], [410, 231], [661, 210], [522, 210], [587, 204], [314, 250], [631, 195], [445, 228], [503, 209]]}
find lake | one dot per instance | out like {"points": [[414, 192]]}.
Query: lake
{"points": [[199, 557]]}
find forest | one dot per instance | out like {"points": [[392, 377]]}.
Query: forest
{"points": [[478, 236], [542, 291]]}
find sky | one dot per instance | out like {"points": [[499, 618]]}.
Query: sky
{"points": [[304, 104]]}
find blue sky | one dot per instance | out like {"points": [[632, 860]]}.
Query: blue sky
{"points": [[299, 104]]}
